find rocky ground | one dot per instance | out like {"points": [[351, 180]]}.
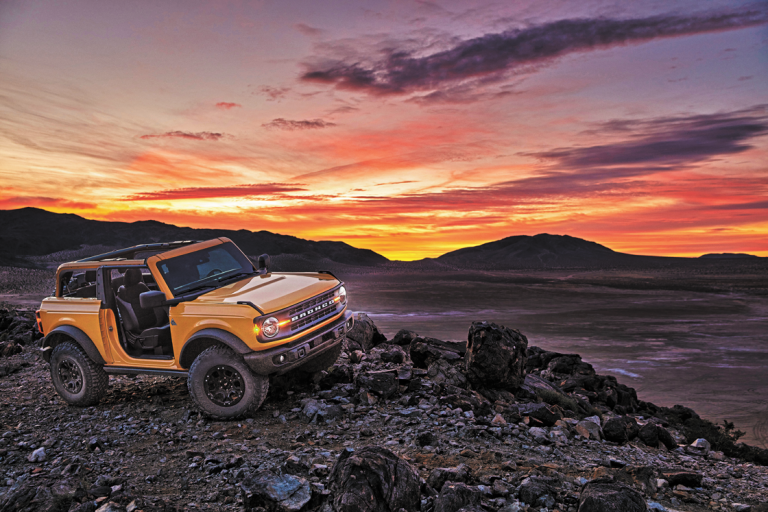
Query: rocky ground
{"points": [[410, 423]]}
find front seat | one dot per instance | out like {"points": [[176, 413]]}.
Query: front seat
{"points": [[141, 324]]}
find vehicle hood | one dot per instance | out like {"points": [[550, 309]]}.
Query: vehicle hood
{"points": [[272, 292]]}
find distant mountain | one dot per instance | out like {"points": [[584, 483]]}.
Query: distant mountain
{"points": [[543, 251], [32, 231], [727, 256]]}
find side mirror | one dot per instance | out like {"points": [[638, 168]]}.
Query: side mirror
{"points": [[150, 300], [264, 263]]}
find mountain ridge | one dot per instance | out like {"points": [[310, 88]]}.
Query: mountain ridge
{"points": [[29, 232]]}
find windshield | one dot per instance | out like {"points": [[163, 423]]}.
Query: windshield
{"points": [[204, 268]]}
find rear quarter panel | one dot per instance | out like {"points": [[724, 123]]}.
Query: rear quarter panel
{"points": [[78, 312]]}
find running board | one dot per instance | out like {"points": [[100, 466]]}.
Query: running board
{"points": [[123, 370]]}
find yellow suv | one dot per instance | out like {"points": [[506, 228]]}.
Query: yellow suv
{"points": [[202, 310]]}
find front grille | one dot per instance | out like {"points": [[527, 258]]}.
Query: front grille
{"points": [[314, 317], [310, 303], [312, 310]]}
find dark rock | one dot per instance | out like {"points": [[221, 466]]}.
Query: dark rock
{"points": [[620, 430], [454, 496], [364, 335], [383, 383], [10, 348], [356, 356], [339, 373], [666, 438], [532, 489], [281, 493], [426, 439], [605, 496], [404, 337], [425, 351], [643, 478], [394, 354], [438, 476], [533, 387], [686, 478], [373, 479], [443, 372], [546, 414], [649, 435], [495, 356]]}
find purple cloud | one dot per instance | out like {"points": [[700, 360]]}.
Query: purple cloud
{"points": [[492, 56]]}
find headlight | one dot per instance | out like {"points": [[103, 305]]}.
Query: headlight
{"points": [[343, 294], [270, 327]]}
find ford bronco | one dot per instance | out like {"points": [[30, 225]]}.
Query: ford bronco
{"points": [[200, 310]]}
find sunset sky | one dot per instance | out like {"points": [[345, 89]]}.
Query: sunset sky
{"points": [[409, 128]]}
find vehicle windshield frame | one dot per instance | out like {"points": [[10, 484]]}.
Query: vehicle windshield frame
{"points": [[172, 270]]}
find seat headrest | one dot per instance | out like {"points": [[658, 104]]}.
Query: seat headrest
{"points": [[132, 277], [90, 276]]}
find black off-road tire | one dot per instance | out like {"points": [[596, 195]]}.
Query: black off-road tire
{"points": [[76, 377], [323, 361], [207, 381]]}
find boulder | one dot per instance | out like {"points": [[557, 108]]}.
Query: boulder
{"points": [[439, 476], [275, 493], [393, 354], [681, 477], [383, 383], [534, 489], [666, 438], [443, 372], [495, 356], [621, 429], [425, 351], [534, 387], [649, 435], [404, 337], [606, 496], [547, 415], [589, 430], [364, 335], [373, 479], [642, 478], [454, 496]]}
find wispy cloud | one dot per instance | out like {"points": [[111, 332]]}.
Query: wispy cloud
{"points": [[272, 93], [493, 56], [43, 202], [668, 141], [304, 124], [308, 30], [261, 189], [225, 105], [185, 135]]}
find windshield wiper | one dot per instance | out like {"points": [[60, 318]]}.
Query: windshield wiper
{"points": [[239, 274]]}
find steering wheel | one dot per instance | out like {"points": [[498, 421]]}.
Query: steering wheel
{"points": [[213, 272]]}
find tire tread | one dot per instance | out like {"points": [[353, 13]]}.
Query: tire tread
{"points": [[96, 379]]}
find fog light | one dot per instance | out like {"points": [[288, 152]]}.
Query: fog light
{"points": [[281, 359]]}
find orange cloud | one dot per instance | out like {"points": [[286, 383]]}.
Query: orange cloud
{"points": [[224, 105], [52, 203]]}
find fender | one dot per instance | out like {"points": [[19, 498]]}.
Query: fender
{"points": [[63, 332], [205, 338]]}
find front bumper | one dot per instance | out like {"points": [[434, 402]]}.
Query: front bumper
{"points": [[286, 357]]}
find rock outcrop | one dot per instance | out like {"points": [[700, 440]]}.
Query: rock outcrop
{"points": [[373, 479], [495, 357]]}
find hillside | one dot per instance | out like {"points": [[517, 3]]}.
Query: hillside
{"points": [[544, 251], [34, 232]]}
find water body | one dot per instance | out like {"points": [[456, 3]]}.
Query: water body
{"points": [[704, 350]]}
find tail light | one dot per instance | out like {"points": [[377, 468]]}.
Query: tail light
{"points": [[39, 322]]}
